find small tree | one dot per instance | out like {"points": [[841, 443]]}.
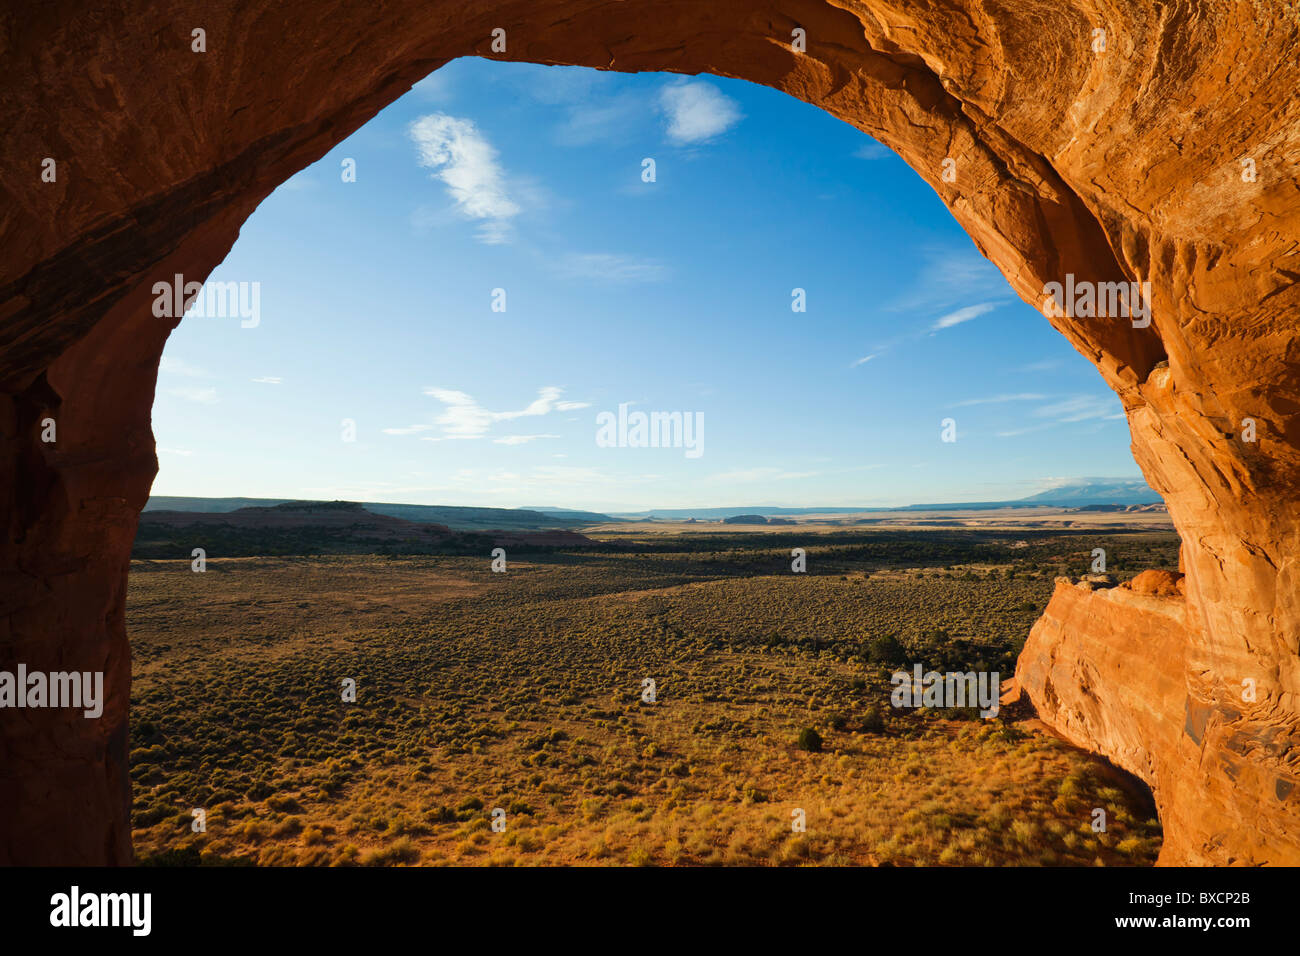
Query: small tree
{"points": [[885, 649]]}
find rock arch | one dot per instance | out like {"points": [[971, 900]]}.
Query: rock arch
{"points": [[1128, 164]]}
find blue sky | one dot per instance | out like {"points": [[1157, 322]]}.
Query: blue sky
{"points": [[376, 301]]}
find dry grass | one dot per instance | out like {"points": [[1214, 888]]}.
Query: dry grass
{"points": [[522, 692]]}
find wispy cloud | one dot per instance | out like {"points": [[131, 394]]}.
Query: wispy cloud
{"points": [[949, 277], [464, 418], [269, 380], [998, 399], [697, 111], [954, 284], [873, 150], [1082, 408], [963, 315], [863, 361], [467, 164], [611, 267], [1072, 410]]}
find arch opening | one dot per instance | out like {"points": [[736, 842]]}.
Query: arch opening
{"points": [[957, 592]]}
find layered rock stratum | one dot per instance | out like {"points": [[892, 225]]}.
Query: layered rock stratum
{"points": [[1159, 150]]}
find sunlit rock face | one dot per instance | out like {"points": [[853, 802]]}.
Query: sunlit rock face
{"points": [[1159, 151], [1112, 671]]}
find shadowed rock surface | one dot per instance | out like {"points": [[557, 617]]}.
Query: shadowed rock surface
{"points": [[1168, 158]]}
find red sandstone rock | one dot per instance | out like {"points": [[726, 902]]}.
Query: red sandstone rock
{"points": [[1156, 583], [1166, 159], [1107, 670]]}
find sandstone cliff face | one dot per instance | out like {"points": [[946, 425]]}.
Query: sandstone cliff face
{"points": [[1108, 671], [1169, 158]]}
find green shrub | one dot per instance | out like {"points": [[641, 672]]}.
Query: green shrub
{"points": [[873, 721], [885, 649], [810, 740]]}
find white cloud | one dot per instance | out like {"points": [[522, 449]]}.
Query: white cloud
{"points": [[269, 380], [408, 430], [612, 267], [1082, 408], [950, 275], [467, 164], [495, 232], [873, 150], [464, 417], [1077, 408], [863, 361], [963, 315], [697, 111]]}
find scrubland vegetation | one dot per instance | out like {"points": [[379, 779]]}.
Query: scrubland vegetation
{"points": [[522, 692]]}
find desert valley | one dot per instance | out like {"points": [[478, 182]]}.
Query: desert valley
{"points": [[502, 716]]}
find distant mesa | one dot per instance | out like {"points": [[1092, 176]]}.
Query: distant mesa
{"points": [[1087, 492], [326, 527], [1083, 494], [745, 519], [455, 518], [1127, 509], [308, 507]]}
